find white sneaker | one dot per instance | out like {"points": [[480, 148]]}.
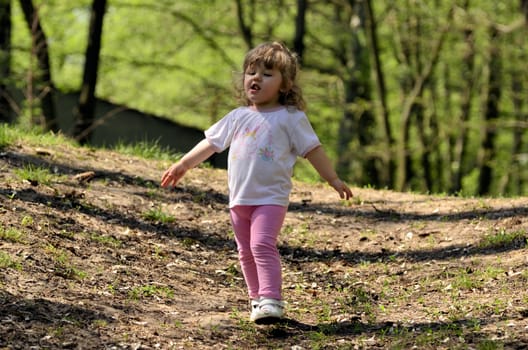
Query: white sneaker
{"points": [[254, 308], [267, 311]]}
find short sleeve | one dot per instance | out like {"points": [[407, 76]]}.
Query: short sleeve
{"points": [[220, 134], [302, 135]]}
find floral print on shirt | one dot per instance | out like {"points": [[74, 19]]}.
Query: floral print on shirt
{"points": [[250, 143], [266, 154]]}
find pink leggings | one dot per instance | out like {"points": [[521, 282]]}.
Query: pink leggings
{"points": [[256, 230]]}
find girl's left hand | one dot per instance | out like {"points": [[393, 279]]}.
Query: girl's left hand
{"points": [[341, 188]]}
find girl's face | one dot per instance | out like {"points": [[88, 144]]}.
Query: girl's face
{"points": [[262, 86]]}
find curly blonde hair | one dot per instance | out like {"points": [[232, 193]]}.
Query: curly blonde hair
{"points": [[275, 55]]}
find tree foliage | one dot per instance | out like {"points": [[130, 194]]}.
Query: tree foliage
{"points": [[5, 59], [413, 95]]}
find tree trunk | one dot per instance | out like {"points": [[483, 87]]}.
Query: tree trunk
{"points": [[518, 90], [86, 106], [347, 128], [5, 59], [426, 164], [45, 88], [461, 164], [300, 28], [418, 84], [246, 31], [491, 115], [421, 126], [388, 165], [358, 122], [368, 138], [514, 175]]}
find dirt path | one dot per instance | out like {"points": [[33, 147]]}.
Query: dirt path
{"points": [[115, 262]]}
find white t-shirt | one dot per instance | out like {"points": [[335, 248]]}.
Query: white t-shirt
{"points": [[263, 150]]}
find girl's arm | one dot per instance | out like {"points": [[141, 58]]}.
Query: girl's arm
{"points": [[320, 161], [198, 154]]}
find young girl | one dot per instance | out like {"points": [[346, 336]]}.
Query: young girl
{"points": [[265, 137]]}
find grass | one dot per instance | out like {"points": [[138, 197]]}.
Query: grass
{"points": [[7, 135], [147, 150], [31, 136], [158, 215], [6, 261], [11, 234], [106, 240], [490, 345], [27, 221], [35, 175], [62, 264], [148, 291], [503, 239], [465, 279]]}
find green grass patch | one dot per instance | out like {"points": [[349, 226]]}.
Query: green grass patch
{"points": [[157, 215], [65, 234], [6, 261], [35, 175], [7, 136], [148, 291], [10, 134], [11, 234], [63, 266], [490, 345], [106, 240], [146, 149], [27, 221], [467, 279], [503, 239]]}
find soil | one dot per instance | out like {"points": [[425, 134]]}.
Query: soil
{"points": [[106, 259]]}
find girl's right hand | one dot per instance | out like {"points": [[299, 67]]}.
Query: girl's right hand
{"points": [[198, 154], [172, 175]]}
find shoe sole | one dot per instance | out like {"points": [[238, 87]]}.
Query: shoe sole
{"points": [[268, 320]]}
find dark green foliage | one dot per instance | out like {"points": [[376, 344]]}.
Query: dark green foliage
{"points": [[413, 96]]}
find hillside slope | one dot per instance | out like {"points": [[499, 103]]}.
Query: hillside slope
{"points": [[94, 255]]}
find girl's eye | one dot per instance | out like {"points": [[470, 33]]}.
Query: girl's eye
{"points": [[266, 74]]}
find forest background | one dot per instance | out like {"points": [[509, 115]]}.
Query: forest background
{"points": [[411, 95]]}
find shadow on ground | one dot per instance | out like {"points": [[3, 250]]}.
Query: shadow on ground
{"points": [[438, 333], [40, 323], [218, 240]]}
